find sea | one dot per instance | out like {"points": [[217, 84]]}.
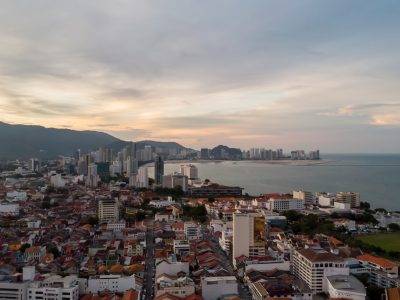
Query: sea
{"points": [[375, 177]]}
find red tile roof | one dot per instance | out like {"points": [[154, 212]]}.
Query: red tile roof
{"points": [[380, 261]]}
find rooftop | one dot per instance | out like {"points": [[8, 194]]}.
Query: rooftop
{"points": [[319, 255], [380, 261], [218, 278], [346, 282]]}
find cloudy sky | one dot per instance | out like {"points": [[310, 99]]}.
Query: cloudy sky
{"points": [[295, 74]]}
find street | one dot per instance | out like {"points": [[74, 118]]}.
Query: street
{"points": [[227, 264], [148, 291]]}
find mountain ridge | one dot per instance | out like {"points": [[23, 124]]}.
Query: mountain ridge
{"points": [[18, 141]]}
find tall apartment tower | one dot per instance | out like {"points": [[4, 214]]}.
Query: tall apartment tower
{"points": [[132, 166], [308, 197], [205, 153], [34, 165], [158, 169], [249, 235], [142, 178], [132, 150], [92, 179], [190, 171], [349, 197], [313, 265]]}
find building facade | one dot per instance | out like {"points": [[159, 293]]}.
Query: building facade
{"points": [[249, 235]]}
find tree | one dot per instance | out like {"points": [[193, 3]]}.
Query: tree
{"points": [[140, 215], [175, 192], [211, 200], [365, 205], [309, 224], [46, 203], [394, 227], [54, 250], [292, 215], [93, 220], [197, 213], [24, 247]]}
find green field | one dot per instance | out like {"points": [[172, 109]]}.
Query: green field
{"points": [[387, 241]]}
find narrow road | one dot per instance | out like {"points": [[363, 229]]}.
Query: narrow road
{"points": [[150, 265], [227, 264]]}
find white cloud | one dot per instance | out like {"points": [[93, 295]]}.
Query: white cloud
{"points": [[247, 73], [391, 119]]}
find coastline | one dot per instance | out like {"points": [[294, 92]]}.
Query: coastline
{"points": [[268, 162]]}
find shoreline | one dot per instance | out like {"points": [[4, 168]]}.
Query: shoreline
{"points": [[268, 162]]}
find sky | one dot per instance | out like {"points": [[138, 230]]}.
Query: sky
{"points": [[292, 74]]}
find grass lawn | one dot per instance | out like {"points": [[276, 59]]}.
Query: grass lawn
{"points": [[387, 241]]}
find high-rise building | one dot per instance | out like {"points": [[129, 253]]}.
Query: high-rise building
{"points": [[313, 266], [87, 160], [81, 168], [34, 165], [131, 150], [77, 155], [279, 153], [205, 153], [93, 178], [190, 171], [101, 155], [255, 153], [103, 169], [57, 181], [142, 178], [158, 169], [115, 168], [108, 210], [249, 235], [175, 180], [306, 196], [132, 166], [349, 197], [314, 155], [147, 153]]}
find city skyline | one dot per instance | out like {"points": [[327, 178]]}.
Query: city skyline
{"points": [[294, 75], [199, 150]]}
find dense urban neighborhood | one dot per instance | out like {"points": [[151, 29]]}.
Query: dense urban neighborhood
{"points": [[97, 226]]}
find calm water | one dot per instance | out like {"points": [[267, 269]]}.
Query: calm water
{"points": [[376, 177]]}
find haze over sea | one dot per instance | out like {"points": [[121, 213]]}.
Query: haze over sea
{"points": [[376, 177]]}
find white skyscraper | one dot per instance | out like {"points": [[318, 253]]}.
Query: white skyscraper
{"points": [[34, 165], [190, 171], [141, 179], [313, 265], [249, 235]]}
